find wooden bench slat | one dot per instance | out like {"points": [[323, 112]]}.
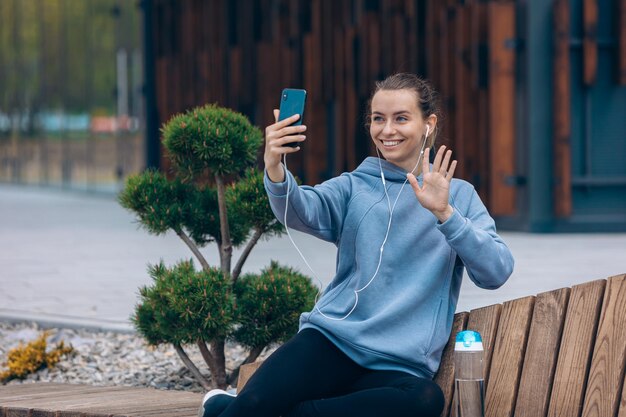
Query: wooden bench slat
{"points": [[508, 357], [579, 329], [609, 353], [69, 400], [544, 338], [445, 375], [485, 321]]}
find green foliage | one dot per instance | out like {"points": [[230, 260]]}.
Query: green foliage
{"points": [[203, 219], [211, 137], [27, 359], [247, 199], [160, 204], [184, 305], [269, 305]]}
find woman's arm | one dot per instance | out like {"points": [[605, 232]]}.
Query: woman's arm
{"points": [[473, 237]]}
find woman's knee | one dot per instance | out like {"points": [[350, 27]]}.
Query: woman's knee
{"points": [[428, 398], [250, 403]]}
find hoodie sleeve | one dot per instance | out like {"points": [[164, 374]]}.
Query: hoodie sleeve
{"points": [[473, 237], [318, 210]]}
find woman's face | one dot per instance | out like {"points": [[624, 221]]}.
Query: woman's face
{"points": [[398, 127]]}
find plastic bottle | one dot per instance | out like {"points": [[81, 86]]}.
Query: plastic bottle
{"points": [[469, 381]]}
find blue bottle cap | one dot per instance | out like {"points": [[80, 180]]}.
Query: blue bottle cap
{"points": [[469, 341]]}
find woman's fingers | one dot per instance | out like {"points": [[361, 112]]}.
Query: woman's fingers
{"points": [[438, 158], [450, 173], [446, 161], [426, 161], [286, 122], [288, 139], [413, 181]]}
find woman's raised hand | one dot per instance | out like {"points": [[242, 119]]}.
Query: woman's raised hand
{"points": [[277, 135], [434, 193]]}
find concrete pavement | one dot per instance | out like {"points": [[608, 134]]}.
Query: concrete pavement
{"points": [[78, 259]]}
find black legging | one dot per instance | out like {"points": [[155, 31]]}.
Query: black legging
{"points": [[310, 377]]}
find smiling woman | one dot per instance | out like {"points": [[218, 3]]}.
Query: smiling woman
{"points": [[373, 341]]}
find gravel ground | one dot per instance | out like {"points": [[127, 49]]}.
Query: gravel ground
{"points": [[108, 358]]}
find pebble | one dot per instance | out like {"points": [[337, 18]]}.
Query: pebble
{"points": [[113, 359]]}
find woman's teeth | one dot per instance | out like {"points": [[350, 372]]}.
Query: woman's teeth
{"points": [[391, 142]]}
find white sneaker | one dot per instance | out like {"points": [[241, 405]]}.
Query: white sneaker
{"points": [[214, 402]]}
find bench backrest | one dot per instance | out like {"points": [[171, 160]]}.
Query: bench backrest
{"points": [[558, 354]]}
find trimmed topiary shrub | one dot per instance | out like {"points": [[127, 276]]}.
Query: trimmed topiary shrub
{"points": [[208, 306]]}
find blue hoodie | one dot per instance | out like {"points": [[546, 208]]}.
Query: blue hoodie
{"points": [[403, 319]]}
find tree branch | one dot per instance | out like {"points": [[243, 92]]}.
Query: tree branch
{"points": [[226, 246], [194, 249], [219, 377], [192, 367], [252, 356], [206, 354], [244, 255]]}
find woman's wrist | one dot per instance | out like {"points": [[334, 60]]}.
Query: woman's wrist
{"points": [[445, 214], [276, 173]]}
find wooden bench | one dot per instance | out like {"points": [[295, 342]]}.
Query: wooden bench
{"points": [[558, 354]]}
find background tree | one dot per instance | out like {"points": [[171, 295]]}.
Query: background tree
{"points": [[209, 306]]}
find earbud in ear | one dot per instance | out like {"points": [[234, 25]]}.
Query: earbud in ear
{"points": [[427, 131]]}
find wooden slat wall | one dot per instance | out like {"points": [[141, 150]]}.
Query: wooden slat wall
{"points": [[501, 17], [590, 42], [241, 53], [562, 110]]}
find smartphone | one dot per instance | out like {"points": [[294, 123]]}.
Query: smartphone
{"points": [[292, 102]]}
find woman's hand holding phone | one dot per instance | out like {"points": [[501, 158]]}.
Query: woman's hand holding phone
{"points": [[277, 136]]}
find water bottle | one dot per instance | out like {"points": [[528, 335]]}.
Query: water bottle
{"points": [[469, 381]]}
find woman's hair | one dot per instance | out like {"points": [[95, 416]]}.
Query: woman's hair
{"points": [[427, 97]]}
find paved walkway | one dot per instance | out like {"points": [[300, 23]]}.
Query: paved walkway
{"points": [[79, 259]]}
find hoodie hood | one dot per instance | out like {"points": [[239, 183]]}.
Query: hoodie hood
{"points": [[393, 173]]}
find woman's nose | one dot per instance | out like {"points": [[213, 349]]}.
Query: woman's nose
{"points": [[388, 129]]}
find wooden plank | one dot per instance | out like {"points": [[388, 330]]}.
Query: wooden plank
{"points": [[47, 413], [604, 386], [485, 321], [501, 18], [562, 190], [508, 357], [445, 375], [245, 372], [541, 353], [590, 43], [621, 41], [69, 400], [579, 330], [18, 412]]}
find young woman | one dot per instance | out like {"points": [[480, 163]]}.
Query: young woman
{"points": [[373, 341]]}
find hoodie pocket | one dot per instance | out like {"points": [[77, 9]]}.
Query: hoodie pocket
{"points": [[435, 327]]}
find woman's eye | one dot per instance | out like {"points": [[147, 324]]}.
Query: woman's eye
{"points": [[377, 118], [402, 119]]}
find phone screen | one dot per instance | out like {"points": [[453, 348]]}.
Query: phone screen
{"points": [[292, 102]]}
